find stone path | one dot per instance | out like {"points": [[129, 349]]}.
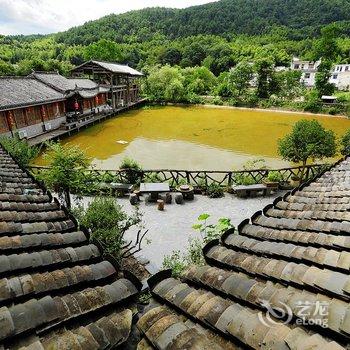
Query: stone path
{"points": [[170, 230]]}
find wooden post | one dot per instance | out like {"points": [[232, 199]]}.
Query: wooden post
{"points": [[127, 91]]}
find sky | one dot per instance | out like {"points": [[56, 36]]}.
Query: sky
{"points": [[49, 16]]}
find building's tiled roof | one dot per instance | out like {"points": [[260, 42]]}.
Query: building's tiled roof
{"points": [[111, 67], [294, 253], [19, 92], [56, 290]]}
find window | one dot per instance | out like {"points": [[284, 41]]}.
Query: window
{"points": [[335, 76], [307, 75], [346, 68], [296, 66]]}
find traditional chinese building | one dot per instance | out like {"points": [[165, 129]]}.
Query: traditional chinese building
{"points": [[121, 81], [82, 95], [44, 101], [29, 107]]}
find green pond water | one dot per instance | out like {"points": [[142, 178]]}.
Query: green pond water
{"points": [[197, 138]]}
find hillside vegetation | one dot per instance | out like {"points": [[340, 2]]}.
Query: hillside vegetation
{"points": [[252, 17]]}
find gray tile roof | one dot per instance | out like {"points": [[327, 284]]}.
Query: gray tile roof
{"points": [[56, 289], [18, 92], [295, 252], [63, 84], [111, 67]]}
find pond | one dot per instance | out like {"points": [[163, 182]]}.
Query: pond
{"points": [[192, 138]]}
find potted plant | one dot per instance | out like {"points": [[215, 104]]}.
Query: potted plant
{"points": [[273, 179], [295, 181]]}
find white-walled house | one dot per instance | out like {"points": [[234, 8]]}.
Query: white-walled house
{"points": [[341, 76], [308, 69]]}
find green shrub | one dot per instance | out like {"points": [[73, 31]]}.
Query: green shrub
{"points": [[214, 190], [217, 100], [312, 103], [19, 150], [109, 223], [193, 255], [153, 177], [274, 176], [345, 144], [245, 179], [133, 170]]}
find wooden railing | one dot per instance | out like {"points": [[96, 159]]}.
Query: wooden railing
{"points": [[197, 178]]}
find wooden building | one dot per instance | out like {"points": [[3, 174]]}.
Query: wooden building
{"points": [[121, 80], [29, 107], [82, 95], [44, 101]]}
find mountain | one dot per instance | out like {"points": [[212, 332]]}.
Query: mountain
{"points": [[302, 18]]}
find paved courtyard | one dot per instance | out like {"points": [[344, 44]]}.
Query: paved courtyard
{"points": [[170, 230]]}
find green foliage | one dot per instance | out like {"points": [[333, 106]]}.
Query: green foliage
{"points": [[104, 50], [274, 176], [308, 140], [174, 84], [265, 77], [179, 261], [312, 102], [66, 171], [245, 178], [280, 18], [19, 150], [214, 190], [108, 224], [134, 170], [208, 231], [345, 144], [322, 84], [153, 177]]}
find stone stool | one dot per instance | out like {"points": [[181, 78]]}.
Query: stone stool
{"points": [[160, 203], [179, 198], [168, 198], [134, 200]]}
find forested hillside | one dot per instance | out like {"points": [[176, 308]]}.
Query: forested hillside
{"points": [[217, 36], [226, 17]]}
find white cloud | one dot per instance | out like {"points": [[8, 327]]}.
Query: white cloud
{"points": [[46, 16]]}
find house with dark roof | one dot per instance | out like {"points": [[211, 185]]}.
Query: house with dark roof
{"points": [[121, 80], [57, 290], [281, 281], [43, 101], [29, 107]]}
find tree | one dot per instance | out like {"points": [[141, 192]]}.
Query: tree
{"points": [[345, 144], [66, 170], [264, 70], [6, 68], [105, 50], [322, 84], [165, 84], [109, 223], [198, 80], [239, 78], [327, 47], [170, 56], [308, 140]]}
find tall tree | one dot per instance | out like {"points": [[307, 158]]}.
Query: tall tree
{"points": [[308, 140], [264, 71]]}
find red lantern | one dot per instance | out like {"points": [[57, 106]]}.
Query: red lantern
{"points": [[76, 105], [96, 99]]}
